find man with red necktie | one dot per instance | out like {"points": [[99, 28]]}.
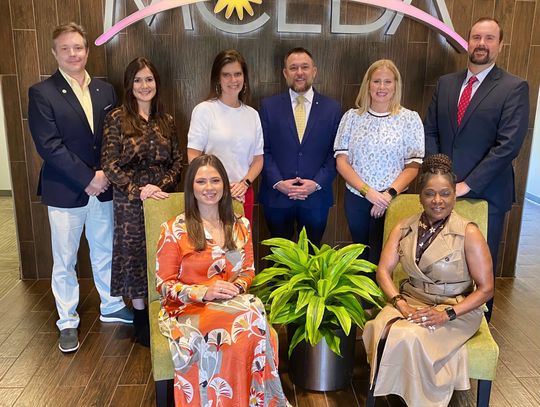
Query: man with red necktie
{"points": [[479, 118]]}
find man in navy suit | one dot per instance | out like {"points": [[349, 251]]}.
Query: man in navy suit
{"points": [[479, 118], [299, 165], [65, 114]]}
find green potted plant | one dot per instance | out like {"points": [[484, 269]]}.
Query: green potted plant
{"points": [[316, 293]]}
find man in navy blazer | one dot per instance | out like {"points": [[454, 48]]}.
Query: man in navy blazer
{"points": [[298, 171], [491, 130], [66, 114]]}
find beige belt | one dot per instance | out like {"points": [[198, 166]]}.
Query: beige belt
{"points": [[448, 289]]}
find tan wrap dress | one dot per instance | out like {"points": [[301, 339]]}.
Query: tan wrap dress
{"points": [[424, 367]]}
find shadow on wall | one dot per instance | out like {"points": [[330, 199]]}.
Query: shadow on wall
{"points": [[532, 190], [5, 174]]}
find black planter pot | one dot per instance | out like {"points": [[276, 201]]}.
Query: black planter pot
{"points": [[318, 368]]}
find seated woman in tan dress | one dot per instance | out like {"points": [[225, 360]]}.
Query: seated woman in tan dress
{"points": [[224, 351], [439, 307]]}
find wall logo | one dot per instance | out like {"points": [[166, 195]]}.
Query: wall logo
{"points": [[395, 11], [238, 5]]}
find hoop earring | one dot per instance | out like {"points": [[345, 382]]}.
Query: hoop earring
{"points": [[218, 89], [244, 89]]}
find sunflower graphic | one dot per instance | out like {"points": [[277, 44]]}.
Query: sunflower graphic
{"points": [[238, 5]]}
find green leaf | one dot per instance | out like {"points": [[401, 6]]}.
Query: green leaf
{"points": [[269, 273], [314, 316], [303, 243], [304, 296], [298, 278], [333, 341], [363, 265], [342, 315], [354, 309], [292, 257], [280, 301], [299, 336], [286, 315], [366, 284], [279, 242], [323, 287]]}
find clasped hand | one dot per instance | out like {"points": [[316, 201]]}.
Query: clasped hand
{"points": [[98, 185], [380, 201], [297, 188], [238, 191], [428, 317], [221, 290]]}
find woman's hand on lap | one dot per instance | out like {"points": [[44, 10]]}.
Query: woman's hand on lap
{"points": [[221, 290]]}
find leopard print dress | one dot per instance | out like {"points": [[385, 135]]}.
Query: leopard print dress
{"points": [[130, 162]]}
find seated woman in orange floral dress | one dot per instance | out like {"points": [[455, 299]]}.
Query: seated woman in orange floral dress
{"points": [[224, 352]]}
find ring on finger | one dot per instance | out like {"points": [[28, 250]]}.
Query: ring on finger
{"points": [[424, 318]]}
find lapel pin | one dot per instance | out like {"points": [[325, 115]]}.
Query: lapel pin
{"points": [[64, 91], [97, 89]]}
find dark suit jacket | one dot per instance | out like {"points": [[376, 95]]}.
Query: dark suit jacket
{"points": [[490, 135], [286, 158], [71, 152]]}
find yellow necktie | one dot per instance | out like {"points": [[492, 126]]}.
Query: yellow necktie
{"points": [[300, 116]]}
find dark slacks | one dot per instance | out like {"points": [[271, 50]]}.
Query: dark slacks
{"points": [[363, 227], [495, 229], [283, 221]]}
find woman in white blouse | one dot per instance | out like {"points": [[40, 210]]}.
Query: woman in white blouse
{"points": [[379, 149], [225, 126]]}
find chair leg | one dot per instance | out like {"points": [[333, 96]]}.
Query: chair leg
{"points": [[370, 401], [164, 393], [484, 391]]}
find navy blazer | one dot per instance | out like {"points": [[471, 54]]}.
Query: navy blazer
{"points": [[490, 135], [71, 152], [286, 158]]}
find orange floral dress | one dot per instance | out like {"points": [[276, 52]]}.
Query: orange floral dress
{"points": [[224, 352]]}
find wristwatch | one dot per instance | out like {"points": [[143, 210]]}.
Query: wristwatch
{"points": [[392, 192], [247, 182], [451, 313]]}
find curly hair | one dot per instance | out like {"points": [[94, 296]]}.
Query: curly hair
{"points": [[436, 164]]}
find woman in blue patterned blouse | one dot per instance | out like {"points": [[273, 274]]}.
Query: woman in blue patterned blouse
{"points": [[379, 149]]}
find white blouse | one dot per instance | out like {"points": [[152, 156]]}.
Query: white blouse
{"points": [[380, 145], [232, 134]]}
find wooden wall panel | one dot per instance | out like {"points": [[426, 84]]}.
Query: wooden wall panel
{"points": [[521, 39], [7, 62], [26, 56], [70, 10], [184, 58], [22, 14], [10, 90], [46, 20]]}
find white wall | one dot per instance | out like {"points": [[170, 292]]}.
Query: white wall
{"points": [[533, 181], [5, 177]]}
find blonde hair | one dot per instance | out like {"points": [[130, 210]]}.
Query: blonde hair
{"points": [[363, 100]]}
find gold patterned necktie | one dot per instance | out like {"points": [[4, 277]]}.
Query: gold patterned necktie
{"points": [[300, 116]]}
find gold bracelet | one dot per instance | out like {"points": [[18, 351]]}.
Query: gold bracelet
{"points": [[364, 190]]}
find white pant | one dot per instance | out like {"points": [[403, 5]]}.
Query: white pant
{"points": [[66, 229]]}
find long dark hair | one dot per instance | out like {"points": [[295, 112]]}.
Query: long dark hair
{"points": [[132, 124], [225, 57], [194, 226], [436, 164]]}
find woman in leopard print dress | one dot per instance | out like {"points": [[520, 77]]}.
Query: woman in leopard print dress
{"points": [[142, 160]]}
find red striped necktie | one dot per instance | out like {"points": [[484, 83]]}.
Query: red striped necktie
{"points": [[465, 99]]}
